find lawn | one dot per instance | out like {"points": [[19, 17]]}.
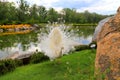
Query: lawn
{"points": [[75, 66]]}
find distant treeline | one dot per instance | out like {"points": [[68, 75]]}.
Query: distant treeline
{"points": [[25, 13]]}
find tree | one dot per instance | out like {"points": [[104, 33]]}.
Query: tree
{"points": [[23, 11], [10, 14], [70, 15], [34, 14], [42, 13], [7, 13], [52, 15]]}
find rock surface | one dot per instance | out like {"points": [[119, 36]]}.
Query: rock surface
{"points": [[107, 61], [16, 55], [99, 27]]}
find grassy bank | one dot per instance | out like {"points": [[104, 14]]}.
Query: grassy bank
{"points": [[84, 24], [76, 66]]}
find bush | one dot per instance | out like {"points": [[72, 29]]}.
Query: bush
{"points": [[3, 68], [18, 62], [38, 57], [26, 60], [7, 66], [81, 47], [10, 64]]}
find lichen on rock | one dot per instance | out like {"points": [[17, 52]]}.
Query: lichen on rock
{"points": [[108, 49]]}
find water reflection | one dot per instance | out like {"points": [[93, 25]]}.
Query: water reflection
{"points": [[28, 42]]}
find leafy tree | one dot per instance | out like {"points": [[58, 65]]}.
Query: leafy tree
{"points": [[70, 15], [52, 15], [7, 13], [42, 13], [23, 11], [34, 14], [11, 14]]}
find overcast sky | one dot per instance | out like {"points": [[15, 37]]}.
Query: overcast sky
{"points": [[98, 6]]}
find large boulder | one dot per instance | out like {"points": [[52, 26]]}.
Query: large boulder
{"points": [[98, 28], [107, 61]]}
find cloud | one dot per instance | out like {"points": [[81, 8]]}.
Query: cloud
{"points": [[46, 3], [103, 7]]}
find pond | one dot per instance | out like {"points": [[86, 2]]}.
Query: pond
{"points": [[25, 43]]}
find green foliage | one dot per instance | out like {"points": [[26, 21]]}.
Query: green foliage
{"points": [[76, 66], [10, 64], [24, 13], [84, 24], [81, 47], [7, 13], [52, 15], [18, 62], [7, 66], [42, 14], [38, 57], [3, 68]]}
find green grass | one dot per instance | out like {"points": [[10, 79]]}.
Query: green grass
{"points": [[85, 24], [76, 66]]}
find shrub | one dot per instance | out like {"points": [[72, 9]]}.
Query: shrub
{"points": [[81, 47], [3, 68], [38, 57], [26, 60], [7, 66], [18, 62], [10, 64]]}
